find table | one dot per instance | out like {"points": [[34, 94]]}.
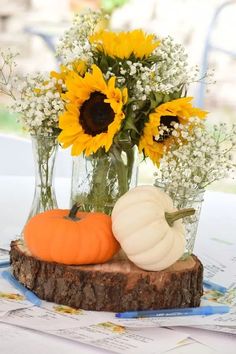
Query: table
{"points": [[16, 193]]}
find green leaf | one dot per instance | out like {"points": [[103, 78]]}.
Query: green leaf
{"points": [[153, 104], [158, 97], [104, 64], [175, 95], [131, 100], [166, 98], [129, 124], [135, 138]]}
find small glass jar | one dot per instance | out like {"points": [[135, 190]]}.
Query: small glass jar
{"points": [[186, 198], [44, 154]]}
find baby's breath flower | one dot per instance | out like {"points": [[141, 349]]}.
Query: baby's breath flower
{"points": [[204, 156], [40, 104], [8, 79], [75, 42]]}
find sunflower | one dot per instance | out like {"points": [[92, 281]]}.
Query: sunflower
{"points": [[93, 112], [78, 66], [123, 44], [179, 111]]}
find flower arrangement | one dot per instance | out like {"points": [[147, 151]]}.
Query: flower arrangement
{"points": [[115, 93], [197, 156], [39, 106], [120, 86], [36, 99], [120, 89]]}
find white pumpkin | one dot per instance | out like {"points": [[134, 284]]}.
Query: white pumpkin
{"points": [[143, 222]]}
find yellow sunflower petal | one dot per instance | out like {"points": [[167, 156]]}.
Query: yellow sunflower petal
{"points": [[95, 79], [76, 149], [66, 121], [124, 44], [125, 95], [111, 83], [67, 140]]}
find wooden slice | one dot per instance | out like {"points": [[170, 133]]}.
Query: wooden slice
{"points": [[116, 286]]}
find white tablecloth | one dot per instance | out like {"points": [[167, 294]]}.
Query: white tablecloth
{"points": [[218, 218]]}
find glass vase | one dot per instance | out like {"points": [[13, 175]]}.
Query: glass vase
{"points": [[44, 153], [100, 179], [186, 198]]}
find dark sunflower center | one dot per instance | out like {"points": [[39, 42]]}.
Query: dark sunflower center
{"points": [[95, 114], [166, 121]]}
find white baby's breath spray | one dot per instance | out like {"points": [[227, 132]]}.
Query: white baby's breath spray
{"points": [[198, 155], [39, 104]]}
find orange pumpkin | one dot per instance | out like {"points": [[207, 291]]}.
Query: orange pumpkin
{"points": [[71, 237]]}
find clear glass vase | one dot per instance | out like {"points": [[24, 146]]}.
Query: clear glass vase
{"points": [[100, 179], [186, 198], [44, 153]]}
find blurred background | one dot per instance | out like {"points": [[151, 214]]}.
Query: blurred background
{"points": [[206, 29]]}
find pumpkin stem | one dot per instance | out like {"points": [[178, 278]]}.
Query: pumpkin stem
{"points": [[179, 214], [73, 212]]}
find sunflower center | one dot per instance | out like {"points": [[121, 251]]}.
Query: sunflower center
{"points": [[166, 122], [95, 114]]}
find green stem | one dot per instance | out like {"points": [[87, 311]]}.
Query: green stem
{"points": [[130, 163], [176, 215], [121, 170], [99, 189], [73, 212], [44, 155], [46, 147]]}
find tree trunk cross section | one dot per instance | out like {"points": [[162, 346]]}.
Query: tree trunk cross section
{"points": [[117, 285]]}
